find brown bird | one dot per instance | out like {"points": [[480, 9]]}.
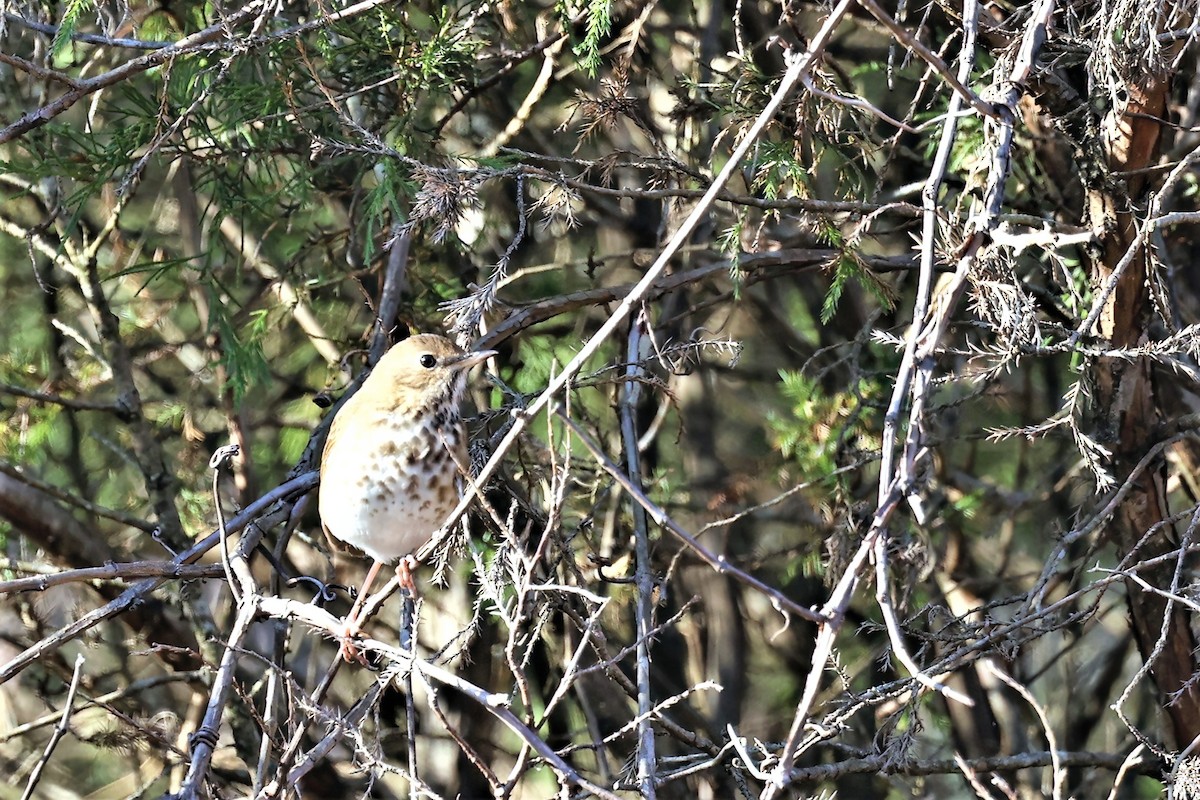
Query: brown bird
{"points": [[392, 463]]}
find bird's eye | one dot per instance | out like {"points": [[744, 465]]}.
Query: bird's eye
{"points": [[428, 361]]}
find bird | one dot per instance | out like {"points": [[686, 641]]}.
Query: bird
{"points": [[393, 460]]}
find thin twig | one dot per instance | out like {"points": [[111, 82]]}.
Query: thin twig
{"points": [[203, 743], [783, 604], [78, 502], [395, 285], [929, 57], [408, 642], [1057, 770], [494, 704], [644, 575], [112, 572], [58, 400], [88, 38], [60, 730], [138, 592]]}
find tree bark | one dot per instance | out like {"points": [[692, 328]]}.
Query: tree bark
{"points": [[1126, 412]]}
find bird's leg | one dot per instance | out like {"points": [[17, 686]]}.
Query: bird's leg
{"points": [[351, 624], [404, 571], [408, 590]]}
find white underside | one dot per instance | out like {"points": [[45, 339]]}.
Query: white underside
{"points": [[391, 514]]}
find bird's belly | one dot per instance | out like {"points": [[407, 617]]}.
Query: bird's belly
{"points": [[390, 519], [399, 500]]}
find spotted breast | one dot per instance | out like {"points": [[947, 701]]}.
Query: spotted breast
{"points": [[406, 485]]}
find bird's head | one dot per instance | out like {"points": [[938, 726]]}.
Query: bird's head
{"points": [[422, 371]]}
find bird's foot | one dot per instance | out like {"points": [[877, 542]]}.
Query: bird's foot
{"points": [[404, 573], [348, 648]]}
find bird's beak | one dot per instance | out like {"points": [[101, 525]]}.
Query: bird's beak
{"points": [[468, 360]]}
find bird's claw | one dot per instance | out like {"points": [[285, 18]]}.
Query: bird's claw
{"points": [[348, 648]]}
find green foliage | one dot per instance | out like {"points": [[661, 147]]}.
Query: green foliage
{"points": [[968, 504], [539, 358], [778, 171], [68, 25], [292, 442], [196, 507], [153, 270], [845, 269], [88, 162], [29, 441], [813, 429], [849, 267], [968, 148], [808, 564], [597, 26], [449, 51], [820, 426], [31, 426], [384, 202], [729, 242], [241, 351], [160, 26]]}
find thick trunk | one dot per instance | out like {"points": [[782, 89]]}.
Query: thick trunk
{"points": [[1126, 412]]}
